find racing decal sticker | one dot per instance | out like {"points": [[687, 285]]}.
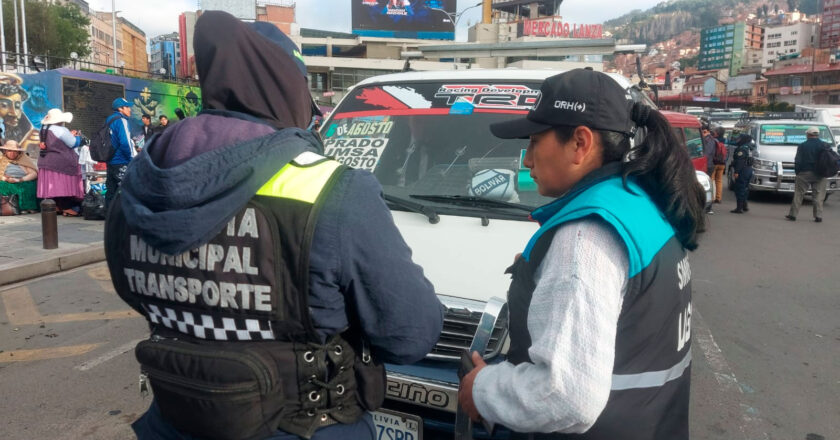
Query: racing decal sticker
{"points": [[408, 96], [362, 153], [377, 97], [393, 98], [502, 96]]}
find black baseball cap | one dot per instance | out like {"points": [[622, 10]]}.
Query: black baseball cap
{"points": [[574, 98]]}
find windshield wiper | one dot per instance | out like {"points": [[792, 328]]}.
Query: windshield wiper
{"points": [[478, 202], [413, 206]]}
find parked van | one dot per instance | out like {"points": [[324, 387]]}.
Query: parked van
{"points": [[824, 113], [461, 198], [774, 151]]}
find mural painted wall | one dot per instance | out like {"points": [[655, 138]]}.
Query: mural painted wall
{"points": [[25, 100]]}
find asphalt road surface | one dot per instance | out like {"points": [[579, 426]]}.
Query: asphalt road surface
{"points": [[765, 327]]}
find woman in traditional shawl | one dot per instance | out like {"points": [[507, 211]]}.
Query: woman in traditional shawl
{"points": [[61, 175], [17, 176]]}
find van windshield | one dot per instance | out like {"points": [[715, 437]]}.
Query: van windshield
{"points": [[424, 139], [790, 134]]}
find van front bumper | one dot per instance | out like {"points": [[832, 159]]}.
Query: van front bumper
{"points": [[767, 180]]}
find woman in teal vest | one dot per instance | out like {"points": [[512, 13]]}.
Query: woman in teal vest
{"points": [[600, 301]]}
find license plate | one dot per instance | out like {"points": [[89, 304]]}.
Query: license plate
{"points": [[392, 425]]}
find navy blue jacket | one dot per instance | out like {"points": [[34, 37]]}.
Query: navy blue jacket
{"points": [[806, 154], [361, 271]]}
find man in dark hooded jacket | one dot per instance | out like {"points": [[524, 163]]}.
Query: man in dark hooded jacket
{"points": [[265, 270]]}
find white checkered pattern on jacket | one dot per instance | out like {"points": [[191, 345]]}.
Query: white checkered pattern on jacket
{"points": [[209, 327]]}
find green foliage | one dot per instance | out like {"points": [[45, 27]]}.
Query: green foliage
{"points": [[51, 29], [773, 107], [688, 62]]}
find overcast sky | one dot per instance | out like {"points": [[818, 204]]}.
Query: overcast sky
{"points": [[158, 17]]}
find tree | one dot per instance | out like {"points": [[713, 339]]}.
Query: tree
{"points": [[51, 29], [764, 9], [792, 5]]}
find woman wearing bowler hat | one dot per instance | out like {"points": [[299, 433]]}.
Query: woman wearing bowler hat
{"points": [[18, 174], [61, 175], [600, 302]]}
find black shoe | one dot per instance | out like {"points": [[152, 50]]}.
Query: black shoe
{"points": [[737, 211], [717, 201], [818, 219], [791, 218], [745, 207]]}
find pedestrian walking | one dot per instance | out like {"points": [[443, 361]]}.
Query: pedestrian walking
{"points": [[718, 159], [60, 175], [123, 148], [806, 176], [275, 266], [600, 302], [742, 172]]}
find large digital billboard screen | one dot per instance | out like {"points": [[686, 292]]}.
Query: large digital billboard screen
{"points": [[431, 19]]}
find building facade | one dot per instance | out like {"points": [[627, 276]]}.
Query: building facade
{"points": [[186, 29], [780, 41], [280, 14], [726, 46], [165, 56], [830, 29], [132, 55], [102, 42], [805, 84]]}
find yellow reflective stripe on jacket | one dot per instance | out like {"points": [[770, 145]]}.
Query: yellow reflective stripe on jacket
{"points": [[298, 182]]}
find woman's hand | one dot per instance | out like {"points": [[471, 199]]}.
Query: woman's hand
{"points": [[465, 397]]}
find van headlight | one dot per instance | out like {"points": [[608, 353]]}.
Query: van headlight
{"points": [[704, 180], [765, 165]]}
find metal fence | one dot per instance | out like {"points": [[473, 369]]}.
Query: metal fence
{"points": [[29, 63]]}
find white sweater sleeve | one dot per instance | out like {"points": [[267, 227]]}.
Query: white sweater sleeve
{"points": [[572, 321]]}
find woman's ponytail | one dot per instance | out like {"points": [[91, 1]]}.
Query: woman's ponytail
{"points": [[663, 168]]}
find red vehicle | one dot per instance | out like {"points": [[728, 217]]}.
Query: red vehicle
{"points": [[687, 129]]}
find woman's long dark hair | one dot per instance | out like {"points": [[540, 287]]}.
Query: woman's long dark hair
{"points": [[661, 166]]}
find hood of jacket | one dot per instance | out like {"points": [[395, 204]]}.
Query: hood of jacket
{"points": [[182, 189]]}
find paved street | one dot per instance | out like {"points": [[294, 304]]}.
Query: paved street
{"points": [[765, 328]]}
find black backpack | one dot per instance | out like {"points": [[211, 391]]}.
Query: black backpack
{"points": [[828, 163], [101, 149]]}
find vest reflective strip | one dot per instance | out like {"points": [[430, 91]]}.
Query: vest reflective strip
{"points": [[299, 183], [651, 379]]}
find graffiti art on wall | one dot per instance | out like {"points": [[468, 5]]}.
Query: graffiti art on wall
{"points": [[25, 100], [12, 97]]}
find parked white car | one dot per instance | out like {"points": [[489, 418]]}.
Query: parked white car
{"points": [[461, 199]]}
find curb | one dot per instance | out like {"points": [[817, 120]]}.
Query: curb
{"points": [[50, 265]]}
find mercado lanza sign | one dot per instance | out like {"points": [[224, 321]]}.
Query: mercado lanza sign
{"points": [[554, 27]]}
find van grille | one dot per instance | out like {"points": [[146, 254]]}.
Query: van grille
{"points": [[459, 326]]}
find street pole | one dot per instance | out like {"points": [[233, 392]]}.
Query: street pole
{"points": [[3, 41], [813, 61], [114, 29], [17, 36], [23, 25]]}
